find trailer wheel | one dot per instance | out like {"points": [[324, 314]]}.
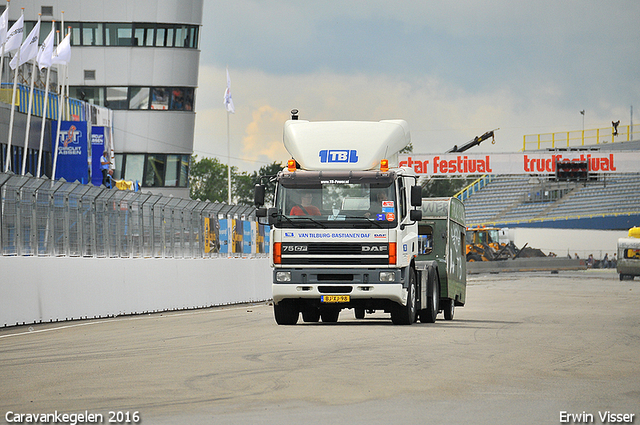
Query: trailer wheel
{"points": [[286, 313], [429, 314], [330, 315], [449, 308], [406, 315]]}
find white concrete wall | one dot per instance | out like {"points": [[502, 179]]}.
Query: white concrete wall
{"points": [[34, 290]]}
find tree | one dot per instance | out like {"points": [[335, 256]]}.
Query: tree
{"points": [[208, 181], [444, 187], [268, 170]]}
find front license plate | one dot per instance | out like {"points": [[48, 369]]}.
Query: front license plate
{"points": [[335, 298]]}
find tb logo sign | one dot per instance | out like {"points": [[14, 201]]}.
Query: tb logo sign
{"points": [[338, 155]]}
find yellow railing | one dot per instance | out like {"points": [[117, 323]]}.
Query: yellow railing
{"points": [[565, 139]]}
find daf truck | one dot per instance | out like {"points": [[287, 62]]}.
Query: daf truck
{"points": [[344, 225]]}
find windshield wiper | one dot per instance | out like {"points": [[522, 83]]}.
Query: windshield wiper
{"points": [[307, 218], [362, 217]]}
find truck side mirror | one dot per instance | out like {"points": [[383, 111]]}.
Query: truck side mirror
{"points": [[416, 196], [272, 214], [415, 215], [261, 212], [259, 194]]}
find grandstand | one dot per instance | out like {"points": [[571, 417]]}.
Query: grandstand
{"points": [[606, 202]]}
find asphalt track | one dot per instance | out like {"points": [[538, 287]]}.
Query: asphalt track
{"points": [[527, 348]]}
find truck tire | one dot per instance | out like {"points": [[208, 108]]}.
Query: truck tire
{"points": [[449, 308], [286, 313], [311, 314], [428, 315], [330, 315], [406, 314]]}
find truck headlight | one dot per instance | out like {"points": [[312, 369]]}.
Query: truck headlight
{"points": [[387, 276], [283, 276]]}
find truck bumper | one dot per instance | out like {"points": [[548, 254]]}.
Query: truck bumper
{"points": [[359, 284]]}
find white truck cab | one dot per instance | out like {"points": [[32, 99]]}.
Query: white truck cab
{"points": [[344, 230]]}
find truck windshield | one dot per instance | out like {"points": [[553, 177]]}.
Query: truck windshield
{"points": [[330, 201]]}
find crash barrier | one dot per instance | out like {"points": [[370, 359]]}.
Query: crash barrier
{"points": [[536, 264], [41, 217], [51, 289], [73, 251]]}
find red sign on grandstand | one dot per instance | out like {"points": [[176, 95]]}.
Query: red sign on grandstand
{"points": [[518, 163]]}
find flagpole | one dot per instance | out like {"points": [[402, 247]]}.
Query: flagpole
{"points": [[25, 152], [228, 161], [45, 109], [13, 111], [47, 51]]}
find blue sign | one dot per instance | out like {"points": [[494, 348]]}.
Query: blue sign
{"points": [[72, 147], [224, 236], [246, 240], [338, 155], [97, 148]]}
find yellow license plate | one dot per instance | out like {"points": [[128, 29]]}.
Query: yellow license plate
{"points": [[335, 298]]}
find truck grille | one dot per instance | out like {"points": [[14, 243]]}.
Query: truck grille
{"points": [[333, 254]]}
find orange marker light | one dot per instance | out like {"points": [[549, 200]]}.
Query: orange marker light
{"points": [[384, 165], [392, 253], [292, 165], [277, 253]]}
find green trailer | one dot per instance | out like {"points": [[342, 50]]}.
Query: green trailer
{"points": [[441, 262]]}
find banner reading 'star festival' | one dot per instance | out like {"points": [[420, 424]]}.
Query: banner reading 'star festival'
{"points": [[453, 164], [72, 148]]}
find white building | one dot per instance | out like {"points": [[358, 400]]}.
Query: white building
{"points": [[139, 58]]}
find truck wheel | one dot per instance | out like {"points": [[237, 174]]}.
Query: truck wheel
{"points": [[429, 314], [449, 308], [330, 315], [286, 313], [311, 314], [406, 315], [359, 312]]}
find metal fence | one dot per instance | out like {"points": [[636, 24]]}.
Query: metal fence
{"points": [[41, 217]]}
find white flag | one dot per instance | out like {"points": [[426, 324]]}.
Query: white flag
{"points": [[14, 36], [4, 24], [62, 54], [46, 51], [29, 48], [228, 101]]}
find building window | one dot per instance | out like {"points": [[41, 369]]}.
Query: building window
{"points": [[117, 98], [129, 34], [118, 34], [133, 165], [154, 172], [160, 98], [90, 94], [135, 98], [139, 97], [91, 34]]}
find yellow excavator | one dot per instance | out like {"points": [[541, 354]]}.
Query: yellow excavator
{"points": [[483, 244]]}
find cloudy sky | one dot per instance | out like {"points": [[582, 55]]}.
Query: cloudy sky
{"points": [[452, 69]]}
